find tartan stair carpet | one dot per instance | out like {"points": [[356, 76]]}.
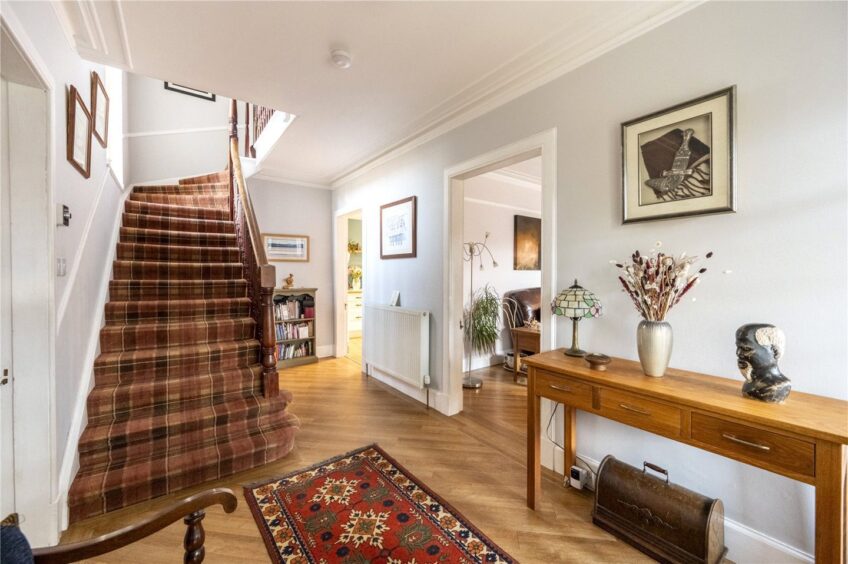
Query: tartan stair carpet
{"points": [[177, 396]]}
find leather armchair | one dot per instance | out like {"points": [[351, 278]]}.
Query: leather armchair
{"points": [[525, 303]]}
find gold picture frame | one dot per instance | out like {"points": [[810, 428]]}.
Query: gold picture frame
{"points": [[99, 110], [285, 247]]}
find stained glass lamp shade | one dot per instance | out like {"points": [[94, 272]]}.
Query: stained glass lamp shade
{"points": [[576, 303]]}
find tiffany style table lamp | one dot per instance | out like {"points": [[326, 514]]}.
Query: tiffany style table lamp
{"points": [[576, 303]]}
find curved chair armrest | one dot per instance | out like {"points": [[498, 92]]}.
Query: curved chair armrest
{"points": [[187, 508]]}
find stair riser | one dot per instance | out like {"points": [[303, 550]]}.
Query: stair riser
{"points": [[193, 201], [128, 370], [145, 208], [166, 253], [177, 224], [128, 290], [214, 178], [170, 311], [222, 461], [134, 270], [127, 449], [191, 189], [134, 337], [147, 399], [183, 238]]}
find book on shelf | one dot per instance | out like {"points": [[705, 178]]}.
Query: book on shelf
{"points": [[294, 307], [286, 331], [294, 350]]}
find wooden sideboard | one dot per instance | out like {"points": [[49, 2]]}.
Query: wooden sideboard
{"points": [[803, 438]]}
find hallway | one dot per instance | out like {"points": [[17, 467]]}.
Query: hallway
{"points": [[475, 460]]}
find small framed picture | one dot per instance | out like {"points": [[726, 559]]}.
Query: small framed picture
{"points": [[286, 248], [680, 161], [99, 110], [78, 133], [398, 238], [188, 91]]}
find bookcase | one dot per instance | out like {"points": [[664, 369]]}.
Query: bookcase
{"points": [[294, 323]]}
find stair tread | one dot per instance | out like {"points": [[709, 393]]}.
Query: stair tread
{"points": [[173, 210], [182, 351], [176, 234], [141, 336], [181, 219], [126, 312]]}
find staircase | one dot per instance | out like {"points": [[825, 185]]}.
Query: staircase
{"points": [[178, 394]]}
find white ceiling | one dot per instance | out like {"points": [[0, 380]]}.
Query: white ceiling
{"points": [[419, 68]]}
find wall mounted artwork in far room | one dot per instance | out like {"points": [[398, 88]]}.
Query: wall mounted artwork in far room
{"points": [[527, 246]]}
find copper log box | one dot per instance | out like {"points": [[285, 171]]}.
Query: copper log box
{"points": [[663, 520]]}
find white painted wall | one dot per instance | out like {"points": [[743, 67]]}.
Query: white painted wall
{"points": [[491, 205], [94, 203], [786, 245], [296, 210], [172, 135]]}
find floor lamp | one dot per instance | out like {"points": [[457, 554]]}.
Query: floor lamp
{"points": [[471, 251]]}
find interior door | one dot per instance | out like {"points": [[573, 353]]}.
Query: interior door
{"points": [[7, 464]]}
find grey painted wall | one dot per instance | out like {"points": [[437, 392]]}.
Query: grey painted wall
{"points": [[786, 245], [295, 210]]}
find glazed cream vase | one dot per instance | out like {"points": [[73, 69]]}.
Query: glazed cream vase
{"points": [[654, 340]]}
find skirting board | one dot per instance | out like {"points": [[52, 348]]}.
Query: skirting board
{"points": [[70, 457], [439, 401], [744, 543], [324, 351]]}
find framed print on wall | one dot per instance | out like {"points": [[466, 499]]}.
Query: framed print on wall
{"points": [[286, 248], [78, 133], [398, 237], [527, 243], [680, 161], [99, 110]]}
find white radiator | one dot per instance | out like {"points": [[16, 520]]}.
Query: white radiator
{"points": [[397, 341]]}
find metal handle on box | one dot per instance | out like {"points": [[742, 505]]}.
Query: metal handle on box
{"points": [[655, 468]]}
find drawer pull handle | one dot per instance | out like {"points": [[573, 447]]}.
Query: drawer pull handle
{"points": [[560, 388], [736, 439], [633, 409]]}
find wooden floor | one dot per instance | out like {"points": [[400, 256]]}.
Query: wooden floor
{"points": [[354, 350], [474, 460]]}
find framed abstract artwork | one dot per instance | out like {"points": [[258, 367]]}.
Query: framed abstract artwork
{"points": [[286, 248], [398, 237], [99, 110], [78, 133], [680, 161], [527, 243]]}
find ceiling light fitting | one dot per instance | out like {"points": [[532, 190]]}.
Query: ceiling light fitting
{"points": [[340, 58]]}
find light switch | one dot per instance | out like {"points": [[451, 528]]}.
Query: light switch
{"points": [[61, 267], [63, 215]]}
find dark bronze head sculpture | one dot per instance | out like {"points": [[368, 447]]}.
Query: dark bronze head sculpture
{"points": [[758, 348]]}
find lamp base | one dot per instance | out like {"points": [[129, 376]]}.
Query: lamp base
{"points": [[575, 352], [472, 383]]}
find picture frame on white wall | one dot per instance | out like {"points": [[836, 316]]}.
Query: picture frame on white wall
{"points": [[398, 229], [78, 127], [286, 248], [680, 161], [99, 110]]}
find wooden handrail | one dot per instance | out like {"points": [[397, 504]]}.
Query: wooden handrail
{"points": [[261, 275], [191, 509]]}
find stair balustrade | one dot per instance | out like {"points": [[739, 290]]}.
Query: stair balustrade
{"points": [[261, 276]]}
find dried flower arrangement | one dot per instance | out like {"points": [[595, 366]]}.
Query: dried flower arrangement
{"points": [[354, 247], [656, 283]]}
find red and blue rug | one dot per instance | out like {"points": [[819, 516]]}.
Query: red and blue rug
{"points": [[363, 507]]}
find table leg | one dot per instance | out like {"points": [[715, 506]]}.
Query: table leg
{"points": [[569, 439], [830, 502], [534, 448], [516, 364]]}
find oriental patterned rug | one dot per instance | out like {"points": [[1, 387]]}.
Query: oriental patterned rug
{"points": [[363, 507]]}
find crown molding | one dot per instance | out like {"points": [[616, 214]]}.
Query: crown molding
{"points": [[502, 205], [273, 175], [96, 30], [551, 58], [516, 178]]}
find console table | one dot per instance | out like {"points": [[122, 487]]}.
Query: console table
{"points": [[803, 439]]}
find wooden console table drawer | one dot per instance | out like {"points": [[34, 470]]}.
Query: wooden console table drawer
{"points": [[756, 446], [564, 390], [634, 410]]}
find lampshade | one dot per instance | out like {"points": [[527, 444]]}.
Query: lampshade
{"points": [[576, 302]]}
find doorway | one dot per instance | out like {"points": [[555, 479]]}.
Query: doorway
{"points": [[28, 475], [349, 284], [542, 146]]}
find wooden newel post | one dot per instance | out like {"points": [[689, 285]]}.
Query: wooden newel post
{"points": [[270, 377], [194, 538], [233, 123]]}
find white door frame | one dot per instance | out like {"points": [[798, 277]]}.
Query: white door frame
{"points": [[340, 239], [37, 498], [542, 144]]}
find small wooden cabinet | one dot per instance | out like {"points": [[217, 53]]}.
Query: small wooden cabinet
{"points": [[523, 340], [354, 313], [294, 322]]}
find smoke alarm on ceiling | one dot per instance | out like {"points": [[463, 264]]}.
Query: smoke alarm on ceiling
{"points": [[340, 58]]}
